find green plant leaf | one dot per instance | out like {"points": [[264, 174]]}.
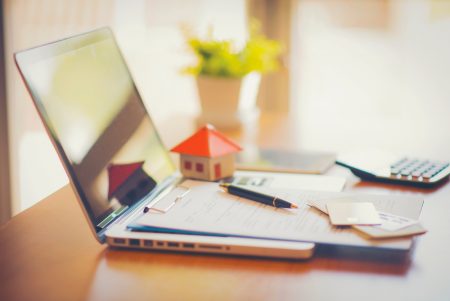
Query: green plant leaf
{"points": [[219, 57]]}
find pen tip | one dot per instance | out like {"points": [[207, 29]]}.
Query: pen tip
{"points": [[294, 205], [224, 185]]}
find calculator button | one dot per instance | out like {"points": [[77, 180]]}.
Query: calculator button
{"points": [[427, 175], [434, 172], [421, 170], [443, 166], [406, 172], [424, 162], [395, 171], [416, 174], [398, 163]]}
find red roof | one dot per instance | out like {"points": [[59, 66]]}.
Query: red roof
{"points": [[119, 173], [207, 142]]}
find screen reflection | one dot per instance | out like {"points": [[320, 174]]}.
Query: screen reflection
{"points": [[95, 114]]}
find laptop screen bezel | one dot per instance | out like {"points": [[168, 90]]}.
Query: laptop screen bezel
{"points": [[59, 47]]}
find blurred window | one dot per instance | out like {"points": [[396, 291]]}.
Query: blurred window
{"points": [[372, 74], [150, 36], [199, 167], [188, 165]]}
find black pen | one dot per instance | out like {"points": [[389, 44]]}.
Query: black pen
{"points": [[256, 196]]}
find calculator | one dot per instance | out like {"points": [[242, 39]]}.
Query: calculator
{"points": [[397, 170]]}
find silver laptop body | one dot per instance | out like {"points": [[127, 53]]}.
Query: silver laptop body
{"points": [[110, 149]]}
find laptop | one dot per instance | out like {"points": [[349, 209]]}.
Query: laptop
{"points": [[111, 150]]}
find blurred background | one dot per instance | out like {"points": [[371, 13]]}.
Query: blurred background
{"points": [[355, 73]]}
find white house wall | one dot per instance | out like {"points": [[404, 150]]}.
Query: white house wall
{"points": [[227, 166], [226, 162], [205, 175]]}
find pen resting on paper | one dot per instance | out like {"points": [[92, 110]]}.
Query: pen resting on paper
{"points": [[257, 197]]}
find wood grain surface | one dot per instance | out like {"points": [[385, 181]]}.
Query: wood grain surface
{"points": [[48, 253]]}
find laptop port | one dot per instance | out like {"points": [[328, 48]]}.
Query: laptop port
{"points": [[120, 241], [213, 247], [188, 245], [173, 244], [134, 242], [148, 243]]}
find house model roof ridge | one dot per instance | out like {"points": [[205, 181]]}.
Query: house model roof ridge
{"points": [[207, 142]]}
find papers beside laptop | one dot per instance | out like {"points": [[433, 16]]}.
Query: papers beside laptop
{"points": [[206, 210], [277, 180], [257, 159], [392, 224]]}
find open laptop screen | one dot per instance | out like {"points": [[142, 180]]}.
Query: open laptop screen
{"points": [[91, 108]]}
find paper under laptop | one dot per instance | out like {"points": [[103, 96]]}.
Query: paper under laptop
{"points": [[207, 210]]}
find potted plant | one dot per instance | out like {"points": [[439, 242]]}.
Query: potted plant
{"points": [[228, 78]]}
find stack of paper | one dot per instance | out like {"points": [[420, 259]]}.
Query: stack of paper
{"points": [[208, 210]]}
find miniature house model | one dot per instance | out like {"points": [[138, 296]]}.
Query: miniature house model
{"points": [[207, 155]]}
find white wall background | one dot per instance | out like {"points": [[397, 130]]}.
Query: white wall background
{"points": [[373, 74], [150, 37]]}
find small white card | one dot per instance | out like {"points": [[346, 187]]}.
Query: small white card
{"points": [[392, 222], [353, 213], [391, 225], [379, 233]]}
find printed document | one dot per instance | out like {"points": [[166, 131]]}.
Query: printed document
{"points": [[206, 209]]}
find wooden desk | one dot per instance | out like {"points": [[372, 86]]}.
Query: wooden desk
{"points": [[48, 253]]}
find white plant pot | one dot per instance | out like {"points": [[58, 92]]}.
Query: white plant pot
{"points": [[228, 103]]}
